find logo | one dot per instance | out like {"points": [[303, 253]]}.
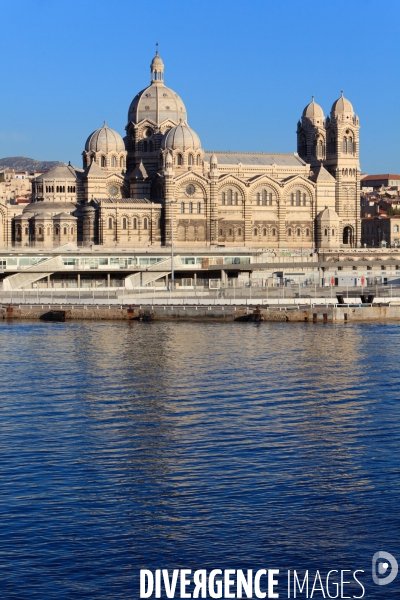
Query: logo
{"points": [[380, 565]]}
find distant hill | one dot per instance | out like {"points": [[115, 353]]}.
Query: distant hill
{"points": [[22, 163]]}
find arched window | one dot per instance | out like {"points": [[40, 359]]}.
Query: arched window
{"points": [[326, 232], [220, 232], [113, 161], [332, 144], [304, 200], [65, 231], [344, 145], [182, 208], [230, 232], [320, 149], [298, 196], [264, 232], [179, 157], [298, 233], [264, 198], [236, 199], [190, 159], [134, 223], [289, 232], [303, 146], [57, 231], [121, 162], [198, 207], [270, 199], [151, 147], [103, 161], [26, 231], [40, 231], [190, 208], [198, 160], [48, 231], [258, 198], [255, 232], [57, 189], [124, 223], [110, 223], [333, 233], [239, 232], [72, 231], [350, 145], [223, 198], [273, 232], [307, 232], [145, 223], [229, 197], [292, 199], [145, 146]]}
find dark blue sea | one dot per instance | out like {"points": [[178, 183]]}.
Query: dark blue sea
{"points": [[128, 446]]}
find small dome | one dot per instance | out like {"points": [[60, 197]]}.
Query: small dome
{"points": [[313, 112], [60, 172], [105, 140], [157, 62], [328, 214], [181, 137], [342, 106]]}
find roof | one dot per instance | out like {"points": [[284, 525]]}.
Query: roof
{"points": [[321, 175], [125, 200], [93, 170], [105, 140], [158, 103], [255, 158], [60, 172], [375, 177]]}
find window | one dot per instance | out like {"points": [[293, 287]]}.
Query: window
{"points": [[396, 229], [273, 232], [239, 232], [72, 231], [236, 198], [134, 223], [264, 232], [289, 232], [350, 145], [124, 223], [326, 232], [179, 159], [121, 162], [145, 146], [103, 161], [27, 231], [182, 208], [190, 208], [57, 231], [298, 198], [198, 207], [292, 199], [198, 160], [230, 197], [230, 232], [270, 199], [255, 232], [145, 223], [304, 200], [333, 233], [190, 159], [264, 198], [113, 161], [258, 198], [298, 233], [307, 232], [220, 232], [110, 223], [223, 198], [40, 231], [344, 145]]}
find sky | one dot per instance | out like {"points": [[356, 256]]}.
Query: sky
{"points": [[245, 70]]}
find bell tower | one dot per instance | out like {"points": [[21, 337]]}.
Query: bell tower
{"points": [[311, 139], [343, 163]]}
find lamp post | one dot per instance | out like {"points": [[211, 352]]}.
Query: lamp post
{"points": [[170, 202]]}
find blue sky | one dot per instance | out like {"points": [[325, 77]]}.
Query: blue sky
{"points": [[245, 70]]}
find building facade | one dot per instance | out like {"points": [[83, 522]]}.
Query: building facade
{"points": [[158, 185]]}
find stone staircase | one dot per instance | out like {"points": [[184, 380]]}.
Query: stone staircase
{"points": [[152, 273], [32, 274]]}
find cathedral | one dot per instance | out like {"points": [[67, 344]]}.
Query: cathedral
{"points": [[158, 186]]}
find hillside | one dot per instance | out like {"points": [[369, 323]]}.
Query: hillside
{"points": [[22, 163]]}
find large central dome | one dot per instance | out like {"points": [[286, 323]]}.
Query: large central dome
{"points": [[157, 102]]}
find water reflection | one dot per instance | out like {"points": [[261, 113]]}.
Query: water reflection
{"points": [[184, 445]]}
